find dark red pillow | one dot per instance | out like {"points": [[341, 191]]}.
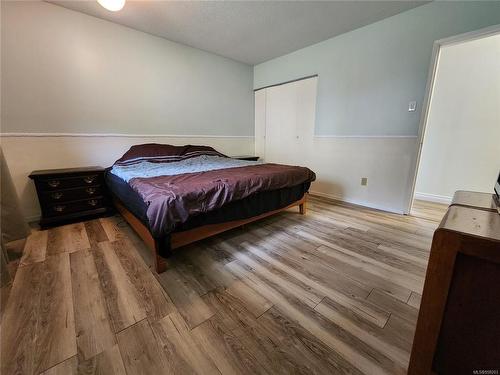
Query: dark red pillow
{"points": [[160, 153]]}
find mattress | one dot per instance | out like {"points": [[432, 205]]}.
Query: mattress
{"points": [[253, 205]]}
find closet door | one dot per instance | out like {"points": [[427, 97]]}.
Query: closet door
{"points": [[289, 120]]}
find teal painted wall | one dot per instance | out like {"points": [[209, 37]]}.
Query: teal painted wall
{"points": [[368, 76]]}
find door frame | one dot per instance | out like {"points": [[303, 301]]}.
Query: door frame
{"points": [[431, 78]]}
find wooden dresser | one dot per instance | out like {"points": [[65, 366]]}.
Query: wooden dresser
{"points": [[458, 328], [67, 195], [479, 201]]}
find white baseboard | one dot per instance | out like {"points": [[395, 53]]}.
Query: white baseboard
{"points": [[356, 202], [36, 218], [433, 198]]}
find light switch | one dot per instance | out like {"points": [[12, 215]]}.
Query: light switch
{"points": [[412, 106]]}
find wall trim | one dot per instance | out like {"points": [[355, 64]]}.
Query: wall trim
{"points": [[365, 136], [124, 135], [433, 198], [356, 202], [119, 135]]}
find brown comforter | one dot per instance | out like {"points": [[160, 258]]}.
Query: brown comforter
{"points": [[173, 199]]}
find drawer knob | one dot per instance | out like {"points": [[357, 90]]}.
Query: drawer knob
{"points": [[57, 195], [90, 190], [59, 208], [93, 202], [89, 179], [54, 183]]}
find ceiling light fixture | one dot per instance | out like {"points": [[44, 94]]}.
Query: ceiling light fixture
{"points": [[112, 5]]}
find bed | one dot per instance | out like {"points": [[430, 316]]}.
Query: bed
{"points": [[176, 195]]}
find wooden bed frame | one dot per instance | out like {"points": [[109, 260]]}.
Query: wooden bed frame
{"points": [[180, 239]]}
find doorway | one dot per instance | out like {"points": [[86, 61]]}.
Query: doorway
{"points": [[460, 147]]}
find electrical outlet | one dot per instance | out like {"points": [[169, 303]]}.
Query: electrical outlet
{"points": [[364, 181], [412, 106]]}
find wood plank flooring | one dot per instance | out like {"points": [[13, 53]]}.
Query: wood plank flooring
{"points": [[335, 291]]}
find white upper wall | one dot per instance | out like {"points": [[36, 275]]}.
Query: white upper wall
{"points": [[461, 148], [368, 76], [67, 72]]}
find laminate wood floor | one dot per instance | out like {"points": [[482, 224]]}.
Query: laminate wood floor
{"points": [[335, 291], [428, 210]]}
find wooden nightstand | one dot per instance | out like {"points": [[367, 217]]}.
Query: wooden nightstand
{"points": [[246, 157], [67, 195]]}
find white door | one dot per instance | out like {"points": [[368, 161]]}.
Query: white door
{"points": [[284, 121]]}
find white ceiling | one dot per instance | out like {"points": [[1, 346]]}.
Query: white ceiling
{"points": [[246, 31]]}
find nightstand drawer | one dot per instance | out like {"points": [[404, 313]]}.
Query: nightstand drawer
{"points": [[58, 196], [64, 208], [69, 195], [58, 183]]}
